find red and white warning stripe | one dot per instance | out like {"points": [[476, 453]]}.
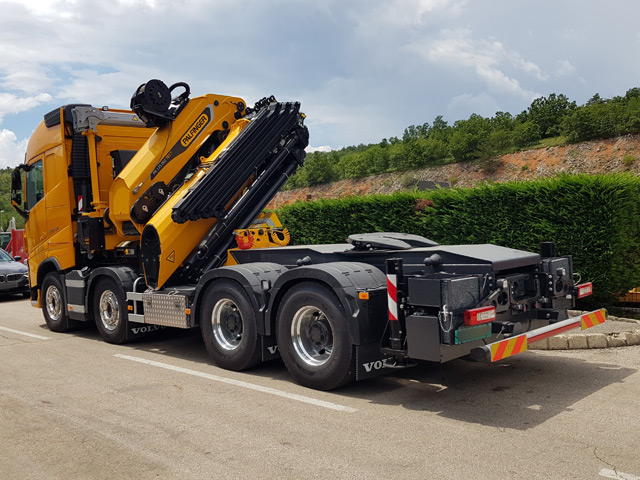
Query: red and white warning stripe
{"points": [[392, 295]]}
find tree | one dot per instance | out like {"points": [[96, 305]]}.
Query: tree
{"points": [[440, 129], [525, 134], [377, 159], [353, 165], [497, 142], [595, 100], [467, 136], [632, 93], [502, 121], [319, 167], [548, 113], [413, 132]]}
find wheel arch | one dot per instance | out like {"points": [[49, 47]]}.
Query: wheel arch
{"points": [[344, 279], [250, 277], [47, 266], [123, 275]]}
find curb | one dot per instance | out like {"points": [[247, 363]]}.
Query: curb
{"points": [[588, 340], [581, 341]]}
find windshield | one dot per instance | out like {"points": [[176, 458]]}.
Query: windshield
{"points": [[5, 257]]}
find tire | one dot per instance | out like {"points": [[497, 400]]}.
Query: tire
{"points": [[313, 337], [54, 306], [228, 326], [109, 310]]}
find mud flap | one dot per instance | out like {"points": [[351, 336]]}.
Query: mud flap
{"points": [[370, 362], [270, 350]]}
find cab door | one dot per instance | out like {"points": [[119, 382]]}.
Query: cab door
{"points": [[58, 196], [36, 226]]}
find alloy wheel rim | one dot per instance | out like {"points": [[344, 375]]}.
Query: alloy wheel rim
{"points": [[312, 336], [109, 310], [226, 321], [53, 301]]}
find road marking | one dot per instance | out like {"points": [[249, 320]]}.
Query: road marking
{"points": [[32, 335], [239, 383], [608, 473]]}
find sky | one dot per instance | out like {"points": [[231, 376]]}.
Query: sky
{"points": [[363, 70]]}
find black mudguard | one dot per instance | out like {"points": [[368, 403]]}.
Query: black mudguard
{"points": [[346, 279], [256, 279]]}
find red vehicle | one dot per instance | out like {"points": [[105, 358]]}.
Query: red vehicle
{"points": [[14, 244]]}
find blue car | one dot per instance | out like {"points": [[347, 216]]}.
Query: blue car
{"points": [[14, 276]]}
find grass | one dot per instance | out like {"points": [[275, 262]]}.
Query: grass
{"points": [[550, 142]]}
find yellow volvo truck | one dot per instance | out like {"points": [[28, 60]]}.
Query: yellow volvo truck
{"points": [[131, 220]]}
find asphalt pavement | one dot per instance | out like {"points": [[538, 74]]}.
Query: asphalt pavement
{"points": [[74, 407]]}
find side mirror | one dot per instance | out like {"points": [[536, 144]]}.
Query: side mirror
{"points": [[16, 189], [18, 258], [16, 184]]}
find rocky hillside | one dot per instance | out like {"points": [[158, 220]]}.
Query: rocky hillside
{"points": [[604, 156]]}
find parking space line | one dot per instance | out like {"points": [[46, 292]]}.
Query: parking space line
{"points": [[239, 383], [608, 473], [26, 334]]}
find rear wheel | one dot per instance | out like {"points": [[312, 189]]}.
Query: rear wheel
{"points": [[109, 310], [54, 306], [228, 326], [313, 337]]}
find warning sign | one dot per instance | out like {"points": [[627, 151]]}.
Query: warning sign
{"points": [[172, 257]]}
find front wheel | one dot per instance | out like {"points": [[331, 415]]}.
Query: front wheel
{"points": [[228, 326], [313, 337], [54, 306], [109, 311]]}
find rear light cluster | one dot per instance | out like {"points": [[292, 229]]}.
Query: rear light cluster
{"points": [[584, 289], [477, 316]]}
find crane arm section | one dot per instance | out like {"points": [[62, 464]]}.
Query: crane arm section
{"points": [[187, 130]]}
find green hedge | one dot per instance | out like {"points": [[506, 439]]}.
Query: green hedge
{"points": [[596, 219]]}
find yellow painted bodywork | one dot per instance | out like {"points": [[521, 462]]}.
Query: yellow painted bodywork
{"points": [[265, 232], [170, 147], [161, 154], [51, 227], [178, 240]]}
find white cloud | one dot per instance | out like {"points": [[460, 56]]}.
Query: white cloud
{"points": [[69, 8], [322, 148], [363, 69], [564, 68], [113, 89], [41, 7], [11, 149], [11, 104], [404, 13], [486, 57], [30, 78], [520, 63]]}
